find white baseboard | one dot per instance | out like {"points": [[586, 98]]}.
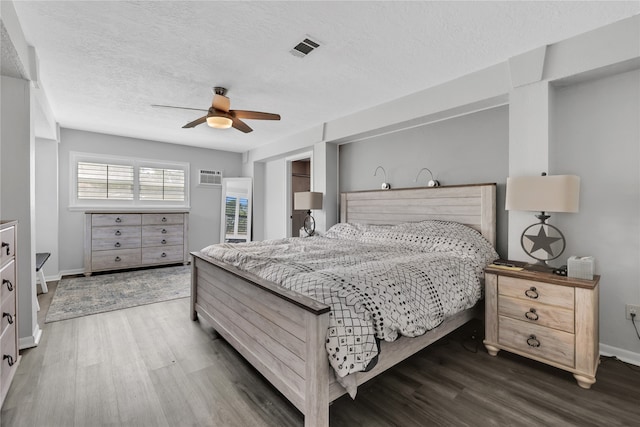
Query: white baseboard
{"points": [[31, 341], [622, 354], [69, 273]]}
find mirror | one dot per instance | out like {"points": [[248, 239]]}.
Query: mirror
{"points": [[236, 210]]}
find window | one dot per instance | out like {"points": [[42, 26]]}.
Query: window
{"points": [[100, 181], [109, 181], [161, 184]]}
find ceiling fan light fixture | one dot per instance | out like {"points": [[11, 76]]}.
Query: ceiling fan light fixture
{"points": [[219, 122]]}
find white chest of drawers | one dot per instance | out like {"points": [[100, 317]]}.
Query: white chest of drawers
{"points": [[548, 318], [120, 240], [8, 296]]}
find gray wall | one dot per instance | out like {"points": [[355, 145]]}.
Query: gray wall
{"points": [[462, 150], [596, 136], [204, 216]]}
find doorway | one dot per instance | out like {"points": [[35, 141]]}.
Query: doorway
{"points": [[300, 181]]}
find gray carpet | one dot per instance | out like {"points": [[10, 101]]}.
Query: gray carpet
{"points": [[82, 296]]}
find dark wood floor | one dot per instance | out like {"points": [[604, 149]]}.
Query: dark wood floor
{"points": [[153, 366]]}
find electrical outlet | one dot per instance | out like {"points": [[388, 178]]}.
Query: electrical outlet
{"points": [[631, 308]]}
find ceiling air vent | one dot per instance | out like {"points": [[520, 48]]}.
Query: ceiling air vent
{"points": [[210, 178], [305, 47]]}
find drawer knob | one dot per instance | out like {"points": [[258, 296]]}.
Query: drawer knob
{"points": [[118, 259], [9, 359], [164, 255], [9, 317], [6, 245], [118, 219], [532, 341], [532, 292], [118, 232], [8, 283], [164, 242], [164, 231], [117, 245], [164, 219], [531, 314]]}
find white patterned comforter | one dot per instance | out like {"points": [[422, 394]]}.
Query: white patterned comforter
{"points": [[380, 281]]}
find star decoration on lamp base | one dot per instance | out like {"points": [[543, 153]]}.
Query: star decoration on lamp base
{"points": [[544, 245]]}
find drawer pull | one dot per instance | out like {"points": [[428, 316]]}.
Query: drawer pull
{"points": [[6, 245], [532, 292], [531, 314], [164, 231], [9, 359], [118, 219], [9, 317], [8, 283], [532, 341], [164, 255], [164, 219], [118, 233], [117, 245], [118, 259], [164, 242]]}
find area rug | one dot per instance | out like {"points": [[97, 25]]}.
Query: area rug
{"points": [[82, 296]]}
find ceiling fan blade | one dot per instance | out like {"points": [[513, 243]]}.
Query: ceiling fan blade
{"points": [[196, 122], [179, 108], [240, 125], [254, 115]]}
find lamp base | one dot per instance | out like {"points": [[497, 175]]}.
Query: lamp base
{"points": [[542, 242], [309, 224]]}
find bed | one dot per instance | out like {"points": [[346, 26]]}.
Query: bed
{"points": [[282, 333]]}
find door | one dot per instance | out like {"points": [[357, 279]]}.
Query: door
{"points": [[300, 181]]}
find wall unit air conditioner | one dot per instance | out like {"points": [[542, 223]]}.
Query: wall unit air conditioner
{"points": [[210, 178]]}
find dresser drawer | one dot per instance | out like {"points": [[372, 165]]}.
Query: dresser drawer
{"points": [[8, 312], [160, 219], [158, 235], [115, 259], [163, 255], [530, 290], [7, 236], [552, 345], [536, 313], [105, 238], [99, 220], [7, 348], [8, 274]]}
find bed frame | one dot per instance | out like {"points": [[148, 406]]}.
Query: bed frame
{"points": [[282, 333]]}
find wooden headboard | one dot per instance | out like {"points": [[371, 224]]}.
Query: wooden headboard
{"points": [[473, 205]]}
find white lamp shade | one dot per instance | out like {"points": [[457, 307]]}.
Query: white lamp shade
{"points": [[219, 122], [307, 200], [553, 193]]}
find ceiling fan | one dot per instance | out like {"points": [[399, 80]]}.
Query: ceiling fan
{"points": [[219, 115]]}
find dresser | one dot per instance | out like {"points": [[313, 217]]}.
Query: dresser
{"points": [[120, 240], [545, 317], [8, 298]]}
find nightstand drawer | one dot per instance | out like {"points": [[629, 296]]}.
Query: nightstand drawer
{"points": [[530, 290], [545, 343], [536, 313]]}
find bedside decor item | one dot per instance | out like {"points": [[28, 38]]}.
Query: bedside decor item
{"points": [[432, 182], [385, 185], [580, 267], [557, 193], [308, 200]]}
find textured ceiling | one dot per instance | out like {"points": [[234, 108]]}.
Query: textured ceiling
{"points": [[103, 64]]}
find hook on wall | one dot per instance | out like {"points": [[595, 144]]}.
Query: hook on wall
{"points": [[385, 185], [432, 182]]}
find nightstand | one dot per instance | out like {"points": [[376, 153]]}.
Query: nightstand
{"points": [[545, 317]]}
